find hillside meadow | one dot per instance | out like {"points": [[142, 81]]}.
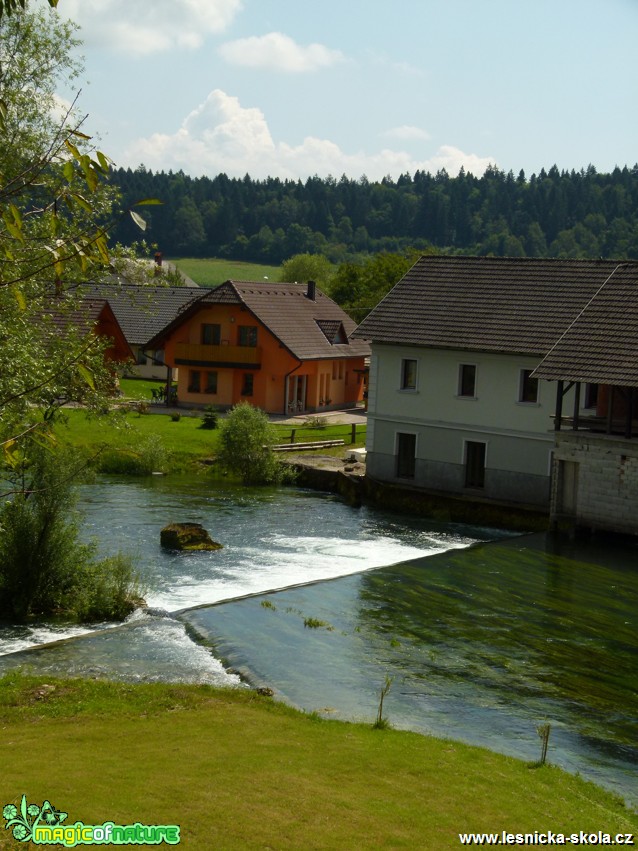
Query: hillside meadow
{"points": [[211, 272], [236, 770]]}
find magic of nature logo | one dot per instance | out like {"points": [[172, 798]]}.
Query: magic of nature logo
{"points": [[46, 825]]}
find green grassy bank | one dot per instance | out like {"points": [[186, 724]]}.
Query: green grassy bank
{"points": [[172, 445], [236, 770]]}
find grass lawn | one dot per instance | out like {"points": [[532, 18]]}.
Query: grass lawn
{"points": [[184, 442], [139, 388], [210, 272], [236, 771]]}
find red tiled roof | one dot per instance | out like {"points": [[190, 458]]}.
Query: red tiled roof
{"points": [[287, 312]]}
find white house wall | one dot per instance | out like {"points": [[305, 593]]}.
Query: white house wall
{"points": [[518, 436]]}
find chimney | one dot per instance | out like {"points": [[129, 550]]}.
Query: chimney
{"points": [[312, 291], [158, 263]]}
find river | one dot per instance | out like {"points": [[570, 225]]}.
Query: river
{"points": [[484, 634]]}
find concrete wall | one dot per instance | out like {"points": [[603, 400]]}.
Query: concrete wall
{"points": [[595, 481]]}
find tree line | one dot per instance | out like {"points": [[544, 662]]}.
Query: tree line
{"points": [[569, 214]]}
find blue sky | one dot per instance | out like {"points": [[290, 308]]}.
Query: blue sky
{"points": [[290, 88]]}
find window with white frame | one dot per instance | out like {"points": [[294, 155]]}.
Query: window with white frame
{"points": [[467, 380], [475, 464], [528, 387], [408, 374], [406, 455]]}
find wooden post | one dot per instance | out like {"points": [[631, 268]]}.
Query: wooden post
{"points": [[353, 433], [292, 435]]}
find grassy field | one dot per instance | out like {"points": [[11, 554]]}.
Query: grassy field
{"points": [[210, 272], [237, 771], [183, 442]]}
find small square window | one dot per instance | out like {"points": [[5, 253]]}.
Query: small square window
{"points": [[408, 374], [248, 335], [467, 380], [528, 390], [211, 334]]}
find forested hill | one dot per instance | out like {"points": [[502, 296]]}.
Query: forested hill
{"points": [[552, 214]]}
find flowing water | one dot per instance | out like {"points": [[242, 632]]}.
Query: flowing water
{"points": [[484, 641]]}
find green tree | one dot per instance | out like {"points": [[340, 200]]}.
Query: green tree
{"points": [[44, 568], [308, 267], [245, 446], [360, 287], [55, 206]]}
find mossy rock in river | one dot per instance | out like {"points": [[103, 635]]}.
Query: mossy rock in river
{"points": [[187, 536]]}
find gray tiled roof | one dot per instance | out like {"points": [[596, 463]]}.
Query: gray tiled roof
{"points": [[143, 310], [288, 313], [601, 345], [492, 304]]}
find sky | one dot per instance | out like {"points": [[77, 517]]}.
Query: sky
{"points": [[296, 88]]}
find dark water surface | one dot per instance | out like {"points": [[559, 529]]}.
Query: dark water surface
{"points": [[484, 641], [483, 644]]}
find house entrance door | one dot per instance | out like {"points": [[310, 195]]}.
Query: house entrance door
{"points": [[297, 386]]}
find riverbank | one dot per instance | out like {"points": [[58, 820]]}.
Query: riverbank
{"points": [[338, 474], [235, 770]]}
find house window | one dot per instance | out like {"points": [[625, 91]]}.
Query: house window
{"points": [[408, 374], [247, 384], [467, 380], [474, 464], [141, 358], [406, 455], [211, 334], [528, 387], [194, 381], [159, 355], [211, 382], [591, 395], [248, 335]]}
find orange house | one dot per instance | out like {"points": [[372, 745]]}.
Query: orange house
{"points": [[284, 348]]}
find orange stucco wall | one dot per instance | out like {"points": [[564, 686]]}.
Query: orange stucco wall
{"points": [[335, 380]]}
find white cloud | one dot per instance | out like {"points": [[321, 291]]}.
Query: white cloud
{"points": [[407, 133], [278, 52], [222, 136], [139, 29]]}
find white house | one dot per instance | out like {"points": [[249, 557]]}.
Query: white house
{"points": [[453, 404]]}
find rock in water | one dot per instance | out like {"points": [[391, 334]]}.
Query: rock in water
{"points": [[187, 536]]}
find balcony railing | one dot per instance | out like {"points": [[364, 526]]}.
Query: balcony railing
{"points": [[248, 357]]}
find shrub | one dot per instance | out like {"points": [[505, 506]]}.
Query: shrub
{"points": [[209, 418], [149, 456], [44, 569], [245, 446]]}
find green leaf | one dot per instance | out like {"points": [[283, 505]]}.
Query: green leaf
{"points": [[68, 171], [80, 135], [87, 375], [71, 147], [82, 202], [146, 202], [102, 247], [19, 297], [104, 161], [139, 221]]}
